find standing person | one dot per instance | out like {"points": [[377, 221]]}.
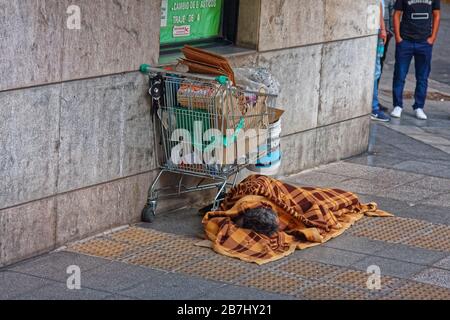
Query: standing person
{"points": [[389, 24], [415, 35], [377, 114]]}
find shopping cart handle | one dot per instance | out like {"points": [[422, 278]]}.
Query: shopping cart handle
{"points": [[222, 80], [145, 68]]}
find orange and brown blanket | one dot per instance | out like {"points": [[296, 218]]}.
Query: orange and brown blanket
{"points": [[307, 217]]}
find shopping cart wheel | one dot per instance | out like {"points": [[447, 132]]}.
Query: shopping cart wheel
{"points": [[148, 214]]}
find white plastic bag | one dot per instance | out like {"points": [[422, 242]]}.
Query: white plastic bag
{"points": [[255, 79]]}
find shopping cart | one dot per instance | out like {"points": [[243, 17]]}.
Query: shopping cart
{"points": [[204, 128]]}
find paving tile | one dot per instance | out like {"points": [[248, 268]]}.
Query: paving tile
{"points": [[392, 190], [378, 159], [116, 297], [321, 291], [316, 179], [434, 238], [357, 244], [429, 213], [189, 222], [380, 175], [162, 260], [444, 263], [331, 256], [276, 282], [390, 267], [230, 292], [412, 290], [393, 229], [438, 277], [441, 200], [308, 269], [407, 193], [424, 168], [410, 254], [388, 204], [171, 287], [219, 269], [60, 291], [13, 284], [54, 265], [359, 280], [116, 276], [105, 248], [430, 139]]}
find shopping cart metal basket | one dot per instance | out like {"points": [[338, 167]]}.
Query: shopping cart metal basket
{"points": [[205, 128]]}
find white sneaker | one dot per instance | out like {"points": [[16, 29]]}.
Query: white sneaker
{"points": [[397, 112], [421, 115]]}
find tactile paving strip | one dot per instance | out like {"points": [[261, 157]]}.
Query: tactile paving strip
{"points": [[358, 280], [104, 248], [274, 282], [140, 236], [168, 261], [184, 245], [309, 270], [224, 270], [323, 291], [395, 230], [437, 238], [418, 291]]}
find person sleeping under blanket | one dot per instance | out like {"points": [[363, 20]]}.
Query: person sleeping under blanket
{"points": [[263, 219]]}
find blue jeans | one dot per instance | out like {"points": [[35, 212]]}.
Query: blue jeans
{"points": [[380, 53], [422, 52]]}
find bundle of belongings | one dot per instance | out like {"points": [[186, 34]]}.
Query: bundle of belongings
{"points": [[234, 109], [205, 62], [262, 219]]}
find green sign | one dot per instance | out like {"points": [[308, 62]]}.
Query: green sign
{"points": [[183, 20]]}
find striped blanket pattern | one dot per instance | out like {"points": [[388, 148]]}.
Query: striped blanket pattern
{"points": [[307, 217]]}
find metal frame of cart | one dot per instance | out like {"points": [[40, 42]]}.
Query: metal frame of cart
{"points": [[198, 105]]}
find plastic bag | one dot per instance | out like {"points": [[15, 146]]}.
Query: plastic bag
{"points": [[255, 79]]}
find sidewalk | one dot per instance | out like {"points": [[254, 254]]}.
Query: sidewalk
{"points": [[406, 171]]}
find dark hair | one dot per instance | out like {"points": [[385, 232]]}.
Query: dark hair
{"points": [[261, 220]]}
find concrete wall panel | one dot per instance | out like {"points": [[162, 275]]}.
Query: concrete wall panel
{"points": [[106, 132], [346, 80], [290, 23], [298, 71], [30, 40], [37, 47], [115, 36], [342, 140], [27, 230], [345, 19], [29, 139], [298, 151]]}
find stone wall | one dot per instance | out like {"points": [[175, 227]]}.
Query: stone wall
{"points": [[76, 148], [322, 51], [76, 144]]}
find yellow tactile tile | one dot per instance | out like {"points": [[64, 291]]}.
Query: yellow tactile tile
{"points": [[395, 229], [436, 238], [168, 261], [274, 282], [358, 280], [322, 291], [104, 248], [412, 290], [309, 269], [219, 269], [140, 236]]}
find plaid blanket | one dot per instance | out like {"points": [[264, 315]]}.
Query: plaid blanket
{"points": [[307, 217]]}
